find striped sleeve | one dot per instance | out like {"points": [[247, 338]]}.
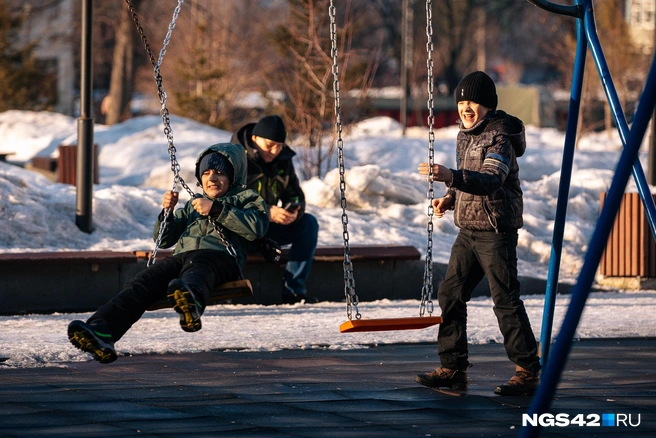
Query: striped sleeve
{"points": [[497, 161]]}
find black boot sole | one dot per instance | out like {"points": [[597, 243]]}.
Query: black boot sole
{"points": [[84, 338], [184, 303]]}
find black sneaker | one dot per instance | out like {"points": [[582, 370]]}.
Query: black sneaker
{"points": [[444, 378], [292, 298], [523, 383], [183, 301], [93, 338]]}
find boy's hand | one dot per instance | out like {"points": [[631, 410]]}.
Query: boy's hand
{"points": [[440, 173], [281, 216], [170, 199], [202, 205], [441, 205]]}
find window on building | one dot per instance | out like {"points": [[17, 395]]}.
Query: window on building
{"points": [[642, 12]]}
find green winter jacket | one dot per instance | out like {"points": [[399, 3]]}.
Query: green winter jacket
{"points": [[243, 214]]}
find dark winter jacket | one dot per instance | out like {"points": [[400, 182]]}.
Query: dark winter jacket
{"points": [[241, 213], [486, 185], [273, 181]]}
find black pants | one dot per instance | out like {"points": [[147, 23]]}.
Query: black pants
{"points": [[475, 254], [201, 270]]}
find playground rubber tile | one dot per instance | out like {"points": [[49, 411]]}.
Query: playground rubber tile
{"points": [[86, 430], [316, 393]]}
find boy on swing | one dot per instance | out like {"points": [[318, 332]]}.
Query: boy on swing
{"points": [[200, 261], [486, 197]]}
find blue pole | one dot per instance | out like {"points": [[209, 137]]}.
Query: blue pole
{"points": [[563, 191], [618, 115], [581, 290]]}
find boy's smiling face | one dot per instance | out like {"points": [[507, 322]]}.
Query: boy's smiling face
{"points": [[215, 183], [471, 113]]}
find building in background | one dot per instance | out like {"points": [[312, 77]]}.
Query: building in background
{"points": [[641, 16], [49, 24]]}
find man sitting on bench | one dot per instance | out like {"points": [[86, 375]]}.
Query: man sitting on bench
{"points": [[271, 174]]}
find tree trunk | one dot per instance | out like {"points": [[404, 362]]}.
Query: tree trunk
{"points": [[116, 106]]}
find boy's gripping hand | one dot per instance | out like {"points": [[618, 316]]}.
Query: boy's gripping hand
{"points": [[202, 205], [441, 205], [170, 199], [440, 173]]}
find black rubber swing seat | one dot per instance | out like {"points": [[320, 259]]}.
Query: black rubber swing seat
{"points": [[225, 291], [389, 324]]}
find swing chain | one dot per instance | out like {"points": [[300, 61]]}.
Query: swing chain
{"points": [[349, 282], [427, 289], [226, 242]]}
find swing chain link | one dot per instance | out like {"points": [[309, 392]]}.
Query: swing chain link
{"points": [[427, 289], [226, 242], [168, 131], [349, 282]]}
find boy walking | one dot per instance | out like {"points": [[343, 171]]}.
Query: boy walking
{"points": [[201, 259], [485, 194]]}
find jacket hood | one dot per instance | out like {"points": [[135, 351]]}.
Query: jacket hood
{"points": [[512, 126], [237, 157]]}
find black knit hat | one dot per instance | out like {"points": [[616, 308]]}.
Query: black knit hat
{"points": [[272, 128], [218, 162], [477, 87]]}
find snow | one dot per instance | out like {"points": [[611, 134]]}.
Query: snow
{"points": [[386, 205]]}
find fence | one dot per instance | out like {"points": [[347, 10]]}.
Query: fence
{"points": [[631, 250]]}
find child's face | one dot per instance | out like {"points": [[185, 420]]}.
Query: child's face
{"points": [[269, 149], [215, 184], [471, 113]]}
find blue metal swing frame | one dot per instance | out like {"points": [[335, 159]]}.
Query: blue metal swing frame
{"points": [[554, 363]]}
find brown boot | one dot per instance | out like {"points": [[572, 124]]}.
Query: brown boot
{"points": [[523, 382], [444, 378]]}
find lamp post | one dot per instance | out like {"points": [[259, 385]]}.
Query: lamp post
{"points": [[84, 166]]}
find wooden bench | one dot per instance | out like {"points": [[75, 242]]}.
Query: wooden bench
{"points": [[327, 254], [120, 266], [322, 254], [243, 288]]}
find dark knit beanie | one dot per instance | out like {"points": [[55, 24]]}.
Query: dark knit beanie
{"points": [[477, 87], [272, 128], [216, 161]]}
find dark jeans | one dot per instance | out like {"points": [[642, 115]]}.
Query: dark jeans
{"points": [[201, 270], [302, 235], [475, 254]]}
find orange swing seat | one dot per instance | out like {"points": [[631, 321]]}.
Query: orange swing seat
{"points": [[388, 324]]}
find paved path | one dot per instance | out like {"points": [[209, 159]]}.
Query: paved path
{"points": [[319, 393]]}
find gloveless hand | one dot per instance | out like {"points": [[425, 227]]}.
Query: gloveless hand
{"points": [[440, 173]]}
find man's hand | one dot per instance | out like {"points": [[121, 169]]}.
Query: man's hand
{"points": [[281, 216], [440, 173], [170, 199], [441, 205], [202, 205]]}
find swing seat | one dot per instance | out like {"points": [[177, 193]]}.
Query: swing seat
{"points": [[225, 291], [388, 324]]}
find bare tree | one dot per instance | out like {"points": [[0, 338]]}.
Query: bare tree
{"points": [[305, 72], [121, 87]]}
